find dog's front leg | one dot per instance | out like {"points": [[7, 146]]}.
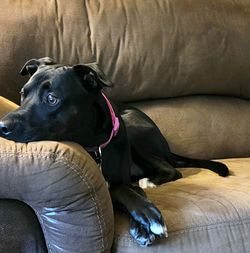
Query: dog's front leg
{"points": [[146, 220]]}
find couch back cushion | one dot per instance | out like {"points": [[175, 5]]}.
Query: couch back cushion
{"points": [[149, 49], [205, 127]]}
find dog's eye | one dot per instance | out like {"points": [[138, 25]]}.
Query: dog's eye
{"points": [[52, 99]]}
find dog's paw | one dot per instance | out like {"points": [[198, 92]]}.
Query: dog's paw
{"points": [[147, 224], [140, 234]]}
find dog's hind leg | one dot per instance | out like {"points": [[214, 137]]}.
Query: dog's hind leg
{"points": [[149, 144], [157, 171], [166, 172]]}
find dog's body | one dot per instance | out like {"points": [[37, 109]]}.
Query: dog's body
{"points": [[65, 103]]}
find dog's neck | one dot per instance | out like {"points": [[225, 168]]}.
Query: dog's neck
{"points": [[101, 122]]}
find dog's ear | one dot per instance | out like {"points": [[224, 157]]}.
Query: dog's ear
{"points": [[92, 77], [31, 66]]}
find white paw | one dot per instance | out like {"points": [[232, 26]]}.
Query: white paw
{"points": [[158, 229], [145, 183]]}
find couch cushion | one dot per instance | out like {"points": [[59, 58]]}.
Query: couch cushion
{"points": [[20, 230], [149, 49], [58, 29], [206, 127], [168, 48], [6, 106], [204, 213]]}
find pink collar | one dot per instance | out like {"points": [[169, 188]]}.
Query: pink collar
{"points": [[115, 123], [115, 129]]}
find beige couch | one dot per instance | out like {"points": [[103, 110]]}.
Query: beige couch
{"points": [[186, 64]]}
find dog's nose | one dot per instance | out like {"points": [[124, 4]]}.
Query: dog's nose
{"points": [[6, 128]]}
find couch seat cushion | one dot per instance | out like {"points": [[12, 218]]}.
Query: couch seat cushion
{"points": [[203, 213]]}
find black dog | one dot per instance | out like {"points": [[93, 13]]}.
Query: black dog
{"points": [[65, 103]]}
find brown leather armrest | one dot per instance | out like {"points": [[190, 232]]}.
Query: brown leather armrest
{"points": [[66, 190]]}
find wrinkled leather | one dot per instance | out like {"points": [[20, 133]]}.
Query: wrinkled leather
{"points": [[65, 188]]}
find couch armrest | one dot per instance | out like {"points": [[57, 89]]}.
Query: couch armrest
{"points": [[66, 190]]}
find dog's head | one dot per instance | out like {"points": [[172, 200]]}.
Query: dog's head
{"points": [[57, 102]]}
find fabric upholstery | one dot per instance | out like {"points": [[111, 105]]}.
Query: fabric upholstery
{"points": [[153, 49], [203, 212]]}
